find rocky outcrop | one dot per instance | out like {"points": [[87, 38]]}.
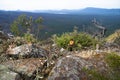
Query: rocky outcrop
{"points": [[47, 62], [30, 61], [68, 67], [71, 67]]}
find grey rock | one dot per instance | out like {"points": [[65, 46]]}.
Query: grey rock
{"points": [[27, 51], [19, 50], [6, 74], [68, 68]]}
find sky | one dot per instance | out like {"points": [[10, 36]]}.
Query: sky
{"points": [[56, 4]]}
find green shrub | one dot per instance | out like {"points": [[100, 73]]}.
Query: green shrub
{"points": [[94, 75], [114, 38], [113, 60], [63, 40], [81, 40], [29, 38]]}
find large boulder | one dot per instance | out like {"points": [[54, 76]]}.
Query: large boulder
{"points": [[6, 74], [71, 67]]}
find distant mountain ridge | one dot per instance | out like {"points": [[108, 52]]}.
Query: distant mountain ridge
{"points": [[85, 11], [89, 10]]}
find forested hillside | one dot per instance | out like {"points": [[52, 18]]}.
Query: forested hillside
{"points": [[59, 23]]}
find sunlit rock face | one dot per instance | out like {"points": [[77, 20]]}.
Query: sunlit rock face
{"points": [[27, 50]]}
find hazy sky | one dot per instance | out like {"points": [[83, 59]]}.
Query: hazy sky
{"points": [[56, 4]]}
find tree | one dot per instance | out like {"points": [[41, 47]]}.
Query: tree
{"points": [[24, 26], [21, 25], [14, 28], [39, 25]]}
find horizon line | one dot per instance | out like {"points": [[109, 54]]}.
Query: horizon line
{"points": [[56, 9]]}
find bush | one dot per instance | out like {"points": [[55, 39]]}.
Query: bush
{"points": [[113, 60], [94, 75], [81, 40], [29, 38], [114, 38]]}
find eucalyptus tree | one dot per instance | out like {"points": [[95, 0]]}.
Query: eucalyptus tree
{"points": [[27, 27], [21, 25], [38, 22]]}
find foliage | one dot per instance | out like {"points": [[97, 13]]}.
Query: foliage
{"points": [[114, 38], [118, 37], [20, 25], [94, 75], [17, 41], [38, 22], [81, 40], [29, 38], [63, 40], [23, 27], [113, 60], [14, 28], [59, 23]]}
